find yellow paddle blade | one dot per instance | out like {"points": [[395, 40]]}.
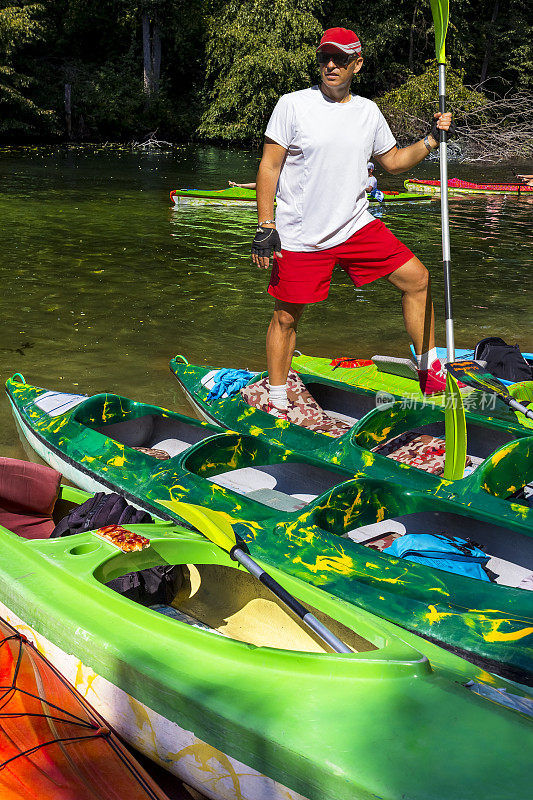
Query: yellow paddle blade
{"points": [[212, 524], [455, 426], [440, 10]]}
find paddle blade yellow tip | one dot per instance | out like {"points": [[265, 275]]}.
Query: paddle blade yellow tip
{"points": [[211, 524], [440, 10]]}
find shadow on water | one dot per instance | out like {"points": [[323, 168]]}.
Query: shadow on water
{"points": [[103, 282]]}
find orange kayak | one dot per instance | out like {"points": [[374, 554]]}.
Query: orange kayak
{"points": [[53, 745]]}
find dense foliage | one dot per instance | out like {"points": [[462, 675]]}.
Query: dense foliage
{"points": [[96, 70]]}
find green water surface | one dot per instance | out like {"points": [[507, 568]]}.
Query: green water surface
{"points": [[103, 281]]}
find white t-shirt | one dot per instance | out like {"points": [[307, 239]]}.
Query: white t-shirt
{"points": [[321, 194], [371, 182]]}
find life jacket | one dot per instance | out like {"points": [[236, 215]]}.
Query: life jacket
{"points": [[503, 360]]}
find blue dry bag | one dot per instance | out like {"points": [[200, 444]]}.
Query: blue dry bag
{"points": [[449, 553]]}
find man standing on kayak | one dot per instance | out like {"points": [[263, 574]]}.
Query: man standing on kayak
{"points": [[317, 145]]}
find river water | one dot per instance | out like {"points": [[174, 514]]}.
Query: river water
{"points": [[103, 281]]}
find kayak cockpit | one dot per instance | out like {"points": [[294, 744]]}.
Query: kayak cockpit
{"points": [[417, 437], [160, 437], [149, 429], [341, 404], [250, 467], [287, 486], [375, 515], [231, 602]]}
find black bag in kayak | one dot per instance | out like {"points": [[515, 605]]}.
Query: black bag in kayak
{"points": [[148, 586], [503, 360], [102, 509], [155, 585]]}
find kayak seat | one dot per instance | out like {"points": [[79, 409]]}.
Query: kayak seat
{"points": [[28, 494], [303, 409], [151, 433], [288, 484], [424, 451], [278, 500], [402, 367]]}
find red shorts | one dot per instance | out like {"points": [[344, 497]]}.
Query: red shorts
{"points": [[372, 252]]}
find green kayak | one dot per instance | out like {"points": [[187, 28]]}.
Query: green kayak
{"points": [[236, 196], [364, 426], [317, 521], [397, 377], [223, 686]]}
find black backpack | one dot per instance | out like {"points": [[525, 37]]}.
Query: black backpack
{"points": [[503, 360], [148, 586], [102, 509]]}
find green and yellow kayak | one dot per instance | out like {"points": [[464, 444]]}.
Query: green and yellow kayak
{"points": [[311, 516], [247, 197], [224, 687], [398, 378]]}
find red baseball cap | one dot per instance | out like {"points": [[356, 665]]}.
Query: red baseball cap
{"points": [[341, 39]]}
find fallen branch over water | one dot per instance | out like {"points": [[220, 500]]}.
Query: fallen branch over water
{"points": [[502, 129], [499, 130], [151, 143]]}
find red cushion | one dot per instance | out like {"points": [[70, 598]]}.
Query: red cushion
{"points": [[28, 493], [28, 488], [29, 527]]}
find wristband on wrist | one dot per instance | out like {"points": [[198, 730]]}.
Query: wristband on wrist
{"points": [[268, 222], [429, 147]]}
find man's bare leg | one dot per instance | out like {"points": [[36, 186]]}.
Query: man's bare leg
{"points": [[412, 279], [281, 340]]}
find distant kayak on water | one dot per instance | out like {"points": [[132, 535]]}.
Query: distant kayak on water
{"points": [[235, 196], [459, 187]]}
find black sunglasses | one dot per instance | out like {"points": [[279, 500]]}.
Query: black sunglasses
{"points": [[340, 59]]}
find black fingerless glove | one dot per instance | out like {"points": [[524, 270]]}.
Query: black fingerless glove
{"points": [[435, 132], [265, 241]]}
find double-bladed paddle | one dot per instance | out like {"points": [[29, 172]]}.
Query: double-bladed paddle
{"points": [[440, 13], [218, 530], [474, 374]]}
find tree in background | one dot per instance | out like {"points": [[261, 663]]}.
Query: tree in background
{"points": [[409, 107], [108, 67], [119, 69], [19, 25], [256, 51]]}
